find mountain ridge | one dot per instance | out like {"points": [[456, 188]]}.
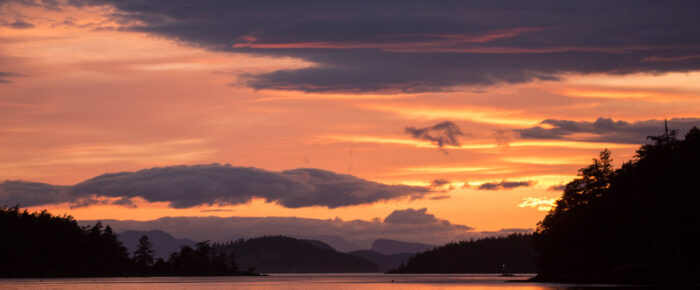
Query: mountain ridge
{"points": [[390, 247], [164, 243]]}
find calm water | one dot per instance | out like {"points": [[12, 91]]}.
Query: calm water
{"points": [[295, 281]]}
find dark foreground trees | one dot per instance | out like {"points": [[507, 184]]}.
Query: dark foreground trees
{"points": [[198, 261], [143, 256], [43, 245], [636, 224], [487, 255]]}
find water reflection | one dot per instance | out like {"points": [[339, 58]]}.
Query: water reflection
{"points": [[298, 281]]}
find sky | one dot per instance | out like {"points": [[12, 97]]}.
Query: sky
{"points": [[425, 121]]}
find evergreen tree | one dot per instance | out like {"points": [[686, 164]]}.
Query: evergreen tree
{"points": [[143, 256]]}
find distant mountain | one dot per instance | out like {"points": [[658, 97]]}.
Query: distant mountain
{"points": [[486, 255], [164, 244], [385, 262], [279, 254], [390, 247], [319, 244], [338, 243]]}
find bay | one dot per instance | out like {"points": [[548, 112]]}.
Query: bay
{"points": [[300, 281]]}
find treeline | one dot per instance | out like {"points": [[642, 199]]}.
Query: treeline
{"points": [[40, 244], [637, 224], [513, 253]]}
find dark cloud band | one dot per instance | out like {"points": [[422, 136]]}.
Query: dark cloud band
{"points": [[418, 46], [188, 186], [606, 130], [504, 185], [5, 75]]}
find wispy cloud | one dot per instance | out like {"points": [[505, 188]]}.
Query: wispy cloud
{"points": [[540, 203], [325, 139], [216, 210], [504, 185], [5, 75], [20, 24], [441, 134]]}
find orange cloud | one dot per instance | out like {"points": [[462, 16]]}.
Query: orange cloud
{"points": [[431, 42]]}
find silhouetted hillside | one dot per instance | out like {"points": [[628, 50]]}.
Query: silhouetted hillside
{"points": [[385, 262], [636, 224], [390, 247], [278, 254], [338, 243], [476, 256], [164, 244], [319, 244]]}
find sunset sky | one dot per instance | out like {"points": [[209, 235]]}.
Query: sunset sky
{"points": [[462, 116]]}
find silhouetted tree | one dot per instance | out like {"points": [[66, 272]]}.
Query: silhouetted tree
{"points": [[143, 256], [639, 223], [161, 268]]}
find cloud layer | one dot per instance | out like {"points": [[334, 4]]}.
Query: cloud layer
{"points": [[413, 225], [188, 186], [20, 24], [13, 192], [418, 46], [411, 216], [5, 75], [605, 130], [504, 185], [441, 134]]}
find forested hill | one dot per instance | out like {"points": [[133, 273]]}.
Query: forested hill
{"points": [[40, 244], [486, 255], [636, 224], [279, 254]]}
